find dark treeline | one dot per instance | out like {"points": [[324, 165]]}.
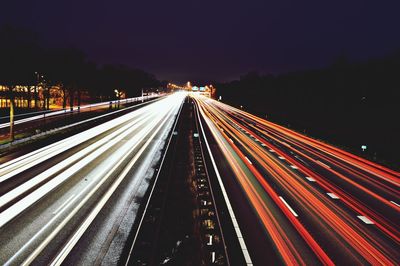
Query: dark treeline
{"points": [[25, 61], [348, 104]]}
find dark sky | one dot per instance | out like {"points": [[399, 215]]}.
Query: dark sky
{"points": [[214, 39]]}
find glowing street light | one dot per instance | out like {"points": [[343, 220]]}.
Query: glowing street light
{"points": [[118, 94], [363, 147]]}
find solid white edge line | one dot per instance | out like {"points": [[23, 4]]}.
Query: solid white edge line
{"points": [[226, 198], [288, 206], [310, 179], [213, 198]]}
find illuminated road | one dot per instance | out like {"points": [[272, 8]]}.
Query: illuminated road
{"points": [[50, 197], [312, 201], [26, 124], [34, 116]]}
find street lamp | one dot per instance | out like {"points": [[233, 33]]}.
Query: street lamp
{"points": [[118, 94], [36, 96], [363, 147]]}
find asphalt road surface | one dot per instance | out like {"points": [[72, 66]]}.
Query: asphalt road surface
{"points": [[314, 203], [29, 122], [51, 197], [292, 199]]}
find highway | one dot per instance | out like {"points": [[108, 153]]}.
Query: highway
{"points": [[312, 202], [34, 116], [52, 196], [32, 123]]}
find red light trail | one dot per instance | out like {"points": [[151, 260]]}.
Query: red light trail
{"points": [[314, 200]]}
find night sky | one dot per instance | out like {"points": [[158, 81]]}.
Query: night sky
{"points": [[214, 40]]}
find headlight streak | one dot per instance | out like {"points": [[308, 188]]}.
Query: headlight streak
{"points": [[284, 243], [352, 202], [376, 184], [349, 200], [20, 164], [85, 157], [141, 126], [368, 166], [41, 114], [99, 181], [339, 224]]}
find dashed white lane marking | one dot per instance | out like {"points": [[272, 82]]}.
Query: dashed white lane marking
{"points": [[210, 237], [282, 158], [248, 160], [271, 150], [332, 195], [398, 205], [288, 206], [262, 144], [310, 179], [294, 167], [321, 163], [365, 219]]}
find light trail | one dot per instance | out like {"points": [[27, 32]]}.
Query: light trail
{"points": [[46, 114], [46, 208], [335, 193], [20, 164]]}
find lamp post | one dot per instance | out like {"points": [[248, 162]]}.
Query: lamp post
{"points": [[118, 94], [39, 79], [11, 113], [36, 92]]}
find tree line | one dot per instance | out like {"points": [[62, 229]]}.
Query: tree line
{"points": [[25, 61], [348, 103]]}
